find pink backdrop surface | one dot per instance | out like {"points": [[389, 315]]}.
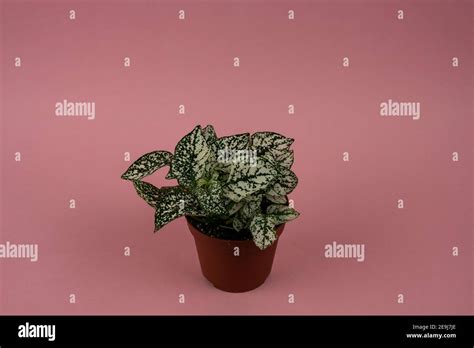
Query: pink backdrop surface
{"points": [[81, 251]]}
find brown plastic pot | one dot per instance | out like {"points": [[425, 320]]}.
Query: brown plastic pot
{"points": [[228, 272]]}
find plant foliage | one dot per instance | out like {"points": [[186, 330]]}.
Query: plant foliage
{"points": [[236, 184]]}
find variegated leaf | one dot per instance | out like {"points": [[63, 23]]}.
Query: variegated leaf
{"points": [[286, 183], [276, 143], [147, 164], [251, 207], [234, 142], [174, 202], [211, 199], [223, 167], [169, 175], [209, 133], [286, 159], [147, 191], [190, 158], [282, 213], [263, 231], [233, 207], [238, 223], [276, 199], [234, 149], [211, 139], [246, 179]]}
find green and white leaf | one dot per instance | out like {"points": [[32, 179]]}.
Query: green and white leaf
{"points": [[190, 158], [263, 231], [251, 207], [147, 191], [233, 207], [169, 175], [276, 143], [276, 199], [286, 183], [209, 134], [233, 149], [246, 179], [214, 175], [223, 167], [211, 139], [174, 202], [238, 223], [211, 199], [282, 213], [234, 142], [286, 159], [147, 164]]}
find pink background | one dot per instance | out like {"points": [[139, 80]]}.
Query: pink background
{"points": [[408, 251]]}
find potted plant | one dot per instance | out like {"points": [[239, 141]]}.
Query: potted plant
{"points": [[233, 192]]}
